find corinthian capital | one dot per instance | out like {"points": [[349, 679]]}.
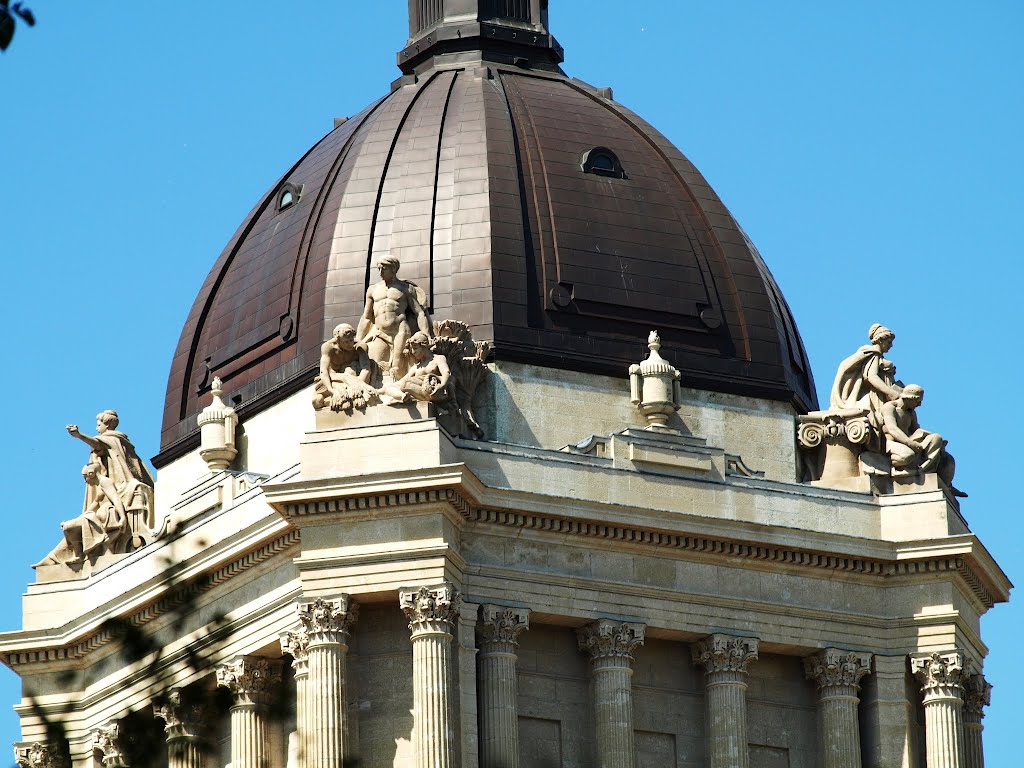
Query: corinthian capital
{"points": [[295, 643], [107, 741], [834, 668], [605, 638], [36, 755], [252, 679], [183, 717], [427, 605], [724, 653], [502, 625], [977, 696], [327, 621], [938, 670]]}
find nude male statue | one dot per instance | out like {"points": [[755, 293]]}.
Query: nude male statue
{"points": [[385, 325], [910, 447], [346, 372]]}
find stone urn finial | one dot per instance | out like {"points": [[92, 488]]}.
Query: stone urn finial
{"points": [[654, 385], [217, 424]]}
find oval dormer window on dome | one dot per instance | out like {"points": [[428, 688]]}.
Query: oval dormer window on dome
{"points": [[288, 196], [602, 162]]}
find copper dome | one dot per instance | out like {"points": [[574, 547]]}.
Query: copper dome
{"points": [[555, 222]]}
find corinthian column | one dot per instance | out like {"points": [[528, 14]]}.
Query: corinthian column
{"points": [[837, 674], [107, 741], [36, 755], [252, 680], [432, 612], [611, 645], [497, 633], [184, 721], [977, 696], [296, 644], [940, 675], [725, 660], [325, 625]]}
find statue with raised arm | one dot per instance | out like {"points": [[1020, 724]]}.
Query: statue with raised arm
{"points": [[393, 308], [118, 462], [867, 379], [426, 379], [346, 373], [910, 448]]}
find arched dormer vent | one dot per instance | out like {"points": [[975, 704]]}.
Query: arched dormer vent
{"points": [[288, 195], [601, 161]]}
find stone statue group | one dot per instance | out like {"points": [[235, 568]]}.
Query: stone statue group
{"points": [[117, 514], [866, 392], [385, 361]]}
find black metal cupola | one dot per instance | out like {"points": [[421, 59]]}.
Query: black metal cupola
{"points": [[462, 31]]}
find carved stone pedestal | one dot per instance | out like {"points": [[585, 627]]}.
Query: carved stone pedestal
{"points": [[842, 435]]}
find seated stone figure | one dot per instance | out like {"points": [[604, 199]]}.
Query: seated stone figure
{"points": [[346, 373], [102, 527], [427, 375], [910, 448], [866, 379]]}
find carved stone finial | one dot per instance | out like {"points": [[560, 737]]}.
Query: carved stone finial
{"points": [[36, 755], [977, 696], [499, 624], [725, 653], [107, 741], [654, 385], [252, 679], [834, 668], [327, 621], [183, 717], [217, 425], [939, 673], [605, 638], [431, 607]]}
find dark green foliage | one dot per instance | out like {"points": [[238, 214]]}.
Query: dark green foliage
{"points": [[9, 14]]}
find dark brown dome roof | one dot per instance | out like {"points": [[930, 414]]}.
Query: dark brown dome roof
{"points": [[474, 178]]}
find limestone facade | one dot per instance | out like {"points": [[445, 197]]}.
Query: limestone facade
{"points": [[579, 590]]}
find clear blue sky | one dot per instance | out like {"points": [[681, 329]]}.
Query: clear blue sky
{"points": [[871, 150]]}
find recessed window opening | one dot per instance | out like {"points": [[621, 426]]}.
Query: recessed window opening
{"points": [[288, 196], [602, 162]]}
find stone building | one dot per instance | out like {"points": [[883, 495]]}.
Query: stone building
{"points": [[555, 491]]}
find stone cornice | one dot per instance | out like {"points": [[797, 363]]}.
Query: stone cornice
{"points": [[456, 487], [76, 644]]}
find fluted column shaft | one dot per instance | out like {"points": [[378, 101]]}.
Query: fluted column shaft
{"points": [[611, 645], [725, 660], [183, 723], [497, 633], [325, 626], [837, 675], [977, 696], [252, 680], [940, 675], [432, 612], [295, 644]]}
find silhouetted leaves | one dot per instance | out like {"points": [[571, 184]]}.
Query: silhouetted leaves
{"points": [[8, 16]]}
